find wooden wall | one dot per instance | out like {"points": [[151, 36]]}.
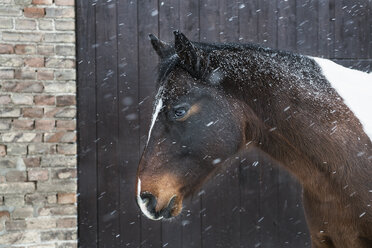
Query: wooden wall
{"points": [[254, 204]]}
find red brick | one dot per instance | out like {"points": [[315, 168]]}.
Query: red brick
{"points": [[22, 99], [60, 12], [44, 124], [42, 2], [2, 150], [6, 74], [25, 24], [66, 198], [60, 137], [38, 175], [4, 214], [66, 223], [15, 176], [32, 112], [65, 173], [6, 49], [45, 50], [45, 75], [23, 124], [64, 2], [22, 213], [15, 225], [5, 99], [68, 149], [25, 74], [60, 112], [33, 12], [53, 137], [32, 162], [34, 62], [57, 210], [65, 101], [66, 124], [44, 100], [25, 49], [23, 86]]}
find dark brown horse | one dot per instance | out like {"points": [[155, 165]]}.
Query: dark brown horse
{"points": [[308, 114]]}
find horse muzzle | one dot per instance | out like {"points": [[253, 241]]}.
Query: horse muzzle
{"points": [[148, 204], [156, 209]]}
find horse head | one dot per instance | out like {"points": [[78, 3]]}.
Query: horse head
{"points": [[195, 127]]}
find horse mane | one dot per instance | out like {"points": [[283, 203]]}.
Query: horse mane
{"points": [[170, 62]]}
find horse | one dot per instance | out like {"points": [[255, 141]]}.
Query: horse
{"points": [[309, 115]]}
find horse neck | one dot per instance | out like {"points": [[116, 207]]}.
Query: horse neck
{"points": [[305, 125]]}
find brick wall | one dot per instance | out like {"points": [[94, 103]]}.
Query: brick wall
{"points": [[37, 124]]}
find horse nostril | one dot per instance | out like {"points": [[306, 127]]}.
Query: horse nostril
{"points": [[149, 201], [167, 211]]}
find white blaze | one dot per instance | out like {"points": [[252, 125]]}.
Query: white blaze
{"points": [[143, 204], [158, 107], [354, 86]]}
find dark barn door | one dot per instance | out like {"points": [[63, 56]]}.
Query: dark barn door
{"points": [[252, 204]]}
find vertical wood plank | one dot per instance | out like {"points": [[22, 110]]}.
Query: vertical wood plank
{"points": [[128, 117], [268, 219], [352, 29], [307, 26], [229, 21], [287, 34], [169, 19], [370, 29], [220, 211], [86, 125], [189, 19], [267, 23], [249, 200], [248, 21], [292, 225], [107, 125], [191, 222], [209, 21], [325, 28], [148, 14], [332, 13]]}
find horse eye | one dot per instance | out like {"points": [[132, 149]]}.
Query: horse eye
{"points": [[180, 112]]}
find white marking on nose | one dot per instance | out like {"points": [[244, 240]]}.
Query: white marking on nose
{"points": [[143, 204], [158, 107]]}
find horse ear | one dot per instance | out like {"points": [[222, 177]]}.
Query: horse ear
{"points": [[190, 56], [161, 47]]}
